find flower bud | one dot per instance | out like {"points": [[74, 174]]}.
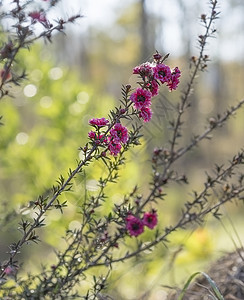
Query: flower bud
{"points": [[157, 56], [128, 87]]}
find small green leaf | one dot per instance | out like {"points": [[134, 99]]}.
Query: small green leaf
{"points": [[210, 281]]}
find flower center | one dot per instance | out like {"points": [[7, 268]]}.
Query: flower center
{"points": [[161, 73], [141, 98], [135, 226]]}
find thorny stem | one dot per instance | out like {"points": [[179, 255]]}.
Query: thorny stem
{"points": [[23, 42], [62, 188], [184, 99], [187, 93], [205, 134], [181, 224], [186, 149], [8, 66], [188, 217], [59, 264], [185, 220], [77, 240], [44, 210]]}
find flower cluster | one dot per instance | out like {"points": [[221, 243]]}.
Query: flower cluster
{"points": [[152, 74], [174, 80], [117, 136], [99, 122], [135, 225]]}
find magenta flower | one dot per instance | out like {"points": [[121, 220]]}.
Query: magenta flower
{"points": [[150, 219], [98, 138], [134, 225], [99, 122], [119, 133], [145, 114], [5, 75], [141, 98], [162, 72], [157, 56], [9, 270], [38, 16], [114, 148], [175, 75], [153, 87], [144, 70], [91, 134]]}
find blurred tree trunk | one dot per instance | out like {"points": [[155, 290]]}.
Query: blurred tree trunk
{"points": [[185, 28], [147, 32], [186, 24], [144, 31]]}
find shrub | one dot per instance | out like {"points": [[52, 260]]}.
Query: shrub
{"points": [[128, 228]]}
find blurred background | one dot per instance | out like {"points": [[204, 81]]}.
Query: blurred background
{"points": [[79, 76]]}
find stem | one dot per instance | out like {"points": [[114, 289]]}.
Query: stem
{"points": [[186, 94], [44, 210]]}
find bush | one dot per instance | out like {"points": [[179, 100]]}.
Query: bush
{"points": [[108, 232]]}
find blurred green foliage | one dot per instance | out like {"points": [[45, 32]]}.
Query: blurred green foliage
{"points": [[45, 123]]}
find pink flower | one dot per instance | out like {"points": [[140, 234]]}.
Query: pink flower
{"points": [[99, 122], [5, 75], [119, 133], [162, 72], [91, 134], [153, 87], [99, 138], [9, 270], [134, 225], [144, 70], [141, 98], [145, 114], [38, 16], [150, 219], [114, 148], [175, 75], [157, 56]]}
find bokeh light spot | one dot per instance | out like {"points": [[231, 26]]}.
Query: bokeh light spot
{"points": [[55, 73], [30, 90], [22, 138], [46, 102], [74, 225], [83, 97], [92, 185], [81, 155], [36, 75], [75, 108]]}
